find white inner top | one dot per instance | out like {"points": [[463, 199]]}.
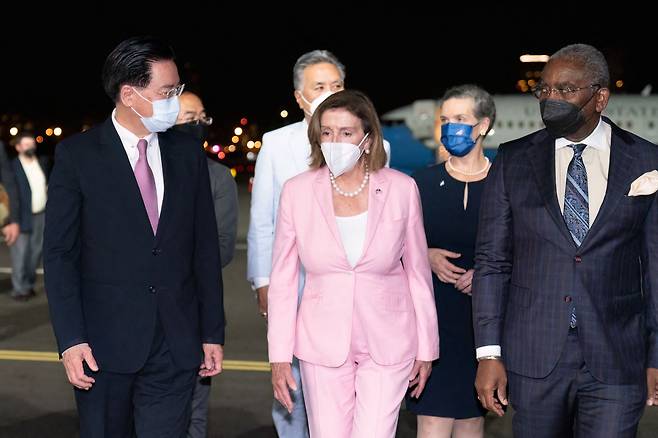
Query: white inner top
{"points": [[353, 233]]}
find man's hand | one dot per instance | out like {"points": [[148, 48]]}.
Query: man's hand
{"points": [[72, 359], [213, 355], [261, 297], [446, 271], [11, 232], [464, 283], [491, 377], [282, 380], [419, 375], [652, 386]]}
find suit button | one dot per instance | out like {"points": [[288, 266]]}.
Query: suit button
{"points": [[567, 299], [154, 251], [152, 289], [577, 259]]}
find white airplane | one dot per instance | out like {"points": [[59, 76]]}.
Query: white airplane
{"points": [[518, 115]]}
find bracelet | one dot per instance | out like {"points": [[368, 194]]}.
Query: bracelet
{"points": [[488, 358]]}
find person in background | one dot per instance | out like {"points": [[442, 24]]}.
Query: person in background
{"points": [[451, 194], [131, 255], [10, 228], [193, 120], [31, 174], [366, 328]]}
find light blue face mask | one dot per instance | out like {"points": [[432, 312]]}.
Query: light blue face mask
{"points": [[165, 112]]}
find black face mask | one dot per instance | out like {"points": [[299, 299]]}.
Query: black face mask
{"points": [[196, 130], [562, 118], [30, 153]]}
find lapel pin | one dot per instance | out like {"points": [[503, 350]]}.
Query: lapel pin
{"points": [[442, 183], [378, 191]]}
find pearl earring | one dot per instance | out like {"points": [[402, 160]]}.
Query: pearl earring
{"points": [[367, 151]]}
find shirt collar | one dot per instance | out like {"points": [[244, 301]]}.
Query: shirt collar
{"points": [[128, 139], [598, 139]]}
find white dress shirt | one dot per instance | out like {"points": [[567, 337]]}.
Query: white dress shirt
{"points": [[129, 141], [353, 234], [37, 181], [596, 157]]}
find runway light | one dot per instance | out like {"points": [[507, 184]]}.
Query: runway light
{"points": [[251, 156], [243, 121], [250, 144], [534, 58], [619, 83], [233, 172], [205, 144], [221, 155], [49, 132], [57, 131], [231, 148], [39, 139], [284, 114], [257, 144], [237, 131], [13, 131], [235, 139], [215, 149]]}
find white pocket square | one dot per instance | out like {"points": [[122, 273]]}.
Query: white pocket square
{"points": [[646, 184]]}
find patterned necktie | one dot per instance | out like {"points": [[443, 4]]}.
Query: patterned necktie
{"points": [[146, 183], [576, 203]]}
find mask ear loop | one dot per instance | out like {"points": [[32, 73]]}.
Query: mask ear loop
{"points": [[367, 151]]}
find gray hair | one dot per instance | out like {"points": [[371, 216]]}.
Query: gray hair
{"points": [[312, 58], [590, 58], [484, 103]]}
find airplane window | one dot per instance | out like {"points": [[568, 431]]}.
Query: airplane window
{"points": [[510, 124], [629, 124], [531, 123], [521, 124], [499, 124], [651, 124]]}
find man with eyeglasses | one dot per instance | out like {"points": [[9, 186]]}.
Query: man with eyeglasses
{"points": [[193, 120], [132, 257], [564, 304]]}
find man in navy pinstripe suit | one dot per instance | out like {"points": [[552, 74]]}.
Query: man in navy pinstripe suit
{"points": [[566, 265]]}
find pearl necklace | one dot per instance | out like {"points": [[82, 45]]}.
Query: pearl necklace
{"points": [[332, 178], [486, 166]]}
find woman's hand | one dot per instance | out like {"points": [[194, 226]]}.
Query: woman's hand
{"points": [[419, 375], [464, 283], [446, 271], [282, 382]]}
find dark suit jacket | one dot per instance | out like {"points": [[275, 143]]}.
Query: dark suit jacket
{"points": [[8, 180], [25, 192], [107, 277], [225, 199], [529, 273]]}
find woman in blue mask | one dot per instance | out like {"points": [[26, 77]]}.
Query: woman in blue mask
{"points": [[450, 195]]}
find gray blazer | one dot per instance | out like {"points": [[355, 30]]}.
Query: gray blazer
{"points": [[225, 198]]}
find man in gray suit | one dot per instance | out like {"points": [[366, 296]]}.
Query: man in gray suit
{"points": [[192, 119]]}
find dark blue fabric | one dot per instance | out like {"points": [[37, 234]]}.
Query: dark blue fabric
{"points": [[24, 203]]}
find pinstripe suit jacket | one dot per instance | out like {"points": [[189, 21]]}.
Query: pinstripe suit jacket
{"points": [[529, 273]]}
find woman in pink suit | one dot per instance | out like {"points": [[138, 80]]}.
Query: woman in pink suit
{"points": [[366, 328]]}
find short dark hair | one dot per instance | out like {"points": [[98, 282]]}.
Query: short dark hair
{"points": [[130, 63], [360, 106], [590, 58], [22, 135]]}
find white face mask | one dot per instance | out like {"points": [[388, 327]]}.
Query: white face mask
{"points": [[316, 102], [342, 157], [165, 112]]}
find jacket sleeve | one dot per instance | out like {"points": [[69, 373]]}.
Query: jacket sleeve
{"points": [[493, 257], [260, 236], [62, 251], [207, 268], [225, 199], [649, 260], [284, 281], [419, 274]]}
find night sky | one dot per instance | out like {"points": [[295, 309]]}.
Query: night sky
{"points": [[240, 60]]}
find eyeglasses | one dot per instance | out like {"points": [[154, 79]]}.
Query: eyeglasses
{"points": [[543, 91], [176, 91], [203, 120]]}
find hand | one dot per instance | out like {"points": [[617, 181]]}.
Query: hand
{"points": [[464, 283], [652, 386], [261, 297], [446, 271], [282, 380], [213, 355], [11, 232], [491, 376], [72, 359], [419, 375]]}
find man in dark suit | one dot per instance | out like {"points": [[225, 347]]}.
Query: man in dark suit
{"points": [[10, 228], [566, 265], [131, 255]]}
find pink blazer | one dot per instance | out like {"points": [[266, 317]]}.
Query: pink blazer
{"points": [[389, 289]]}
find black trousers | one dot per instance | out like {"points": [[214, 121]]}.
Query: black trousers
{"points": [[151, 403], [570, 402]]}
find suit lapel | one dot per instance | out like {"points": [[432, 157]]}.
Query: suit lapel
{"points": [[124, 177], [323, 195], [541, 155], [168, 175], [620, 173], [378, 191], [300, 147]]}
